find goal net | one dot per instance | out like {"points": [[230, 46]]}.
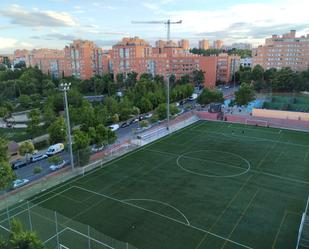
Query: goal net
{"points": [[257, 122], [303, 233]]}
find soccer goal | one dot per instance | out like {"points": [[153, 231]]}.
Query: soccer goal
{"points": [[257, 122]]}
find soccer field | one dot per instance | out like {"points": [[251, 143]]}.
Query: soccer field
{"points": [[210, 185]]}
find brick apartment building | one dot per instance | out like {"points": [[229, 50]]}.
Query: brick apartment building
{"points": [[84, 59], [135, 54], [226, 66], [283, 51], [218, 44]]}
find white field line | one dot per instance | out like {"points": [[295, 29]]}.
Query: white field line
{"points": [[163, 203], [8, 230], [164, 216], [99, 168], [251, 170], [257, 139], [225, 164], [57, 234]]}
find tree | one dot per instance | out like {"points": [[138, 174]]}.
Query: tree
{"points": [[258, 73], [244, 95], [20, 239], [210, 96], [26, 148], [198, 77], [33, 125], [6, 173], [81, 147], [25, 101], [162, 112], [57, 131]]}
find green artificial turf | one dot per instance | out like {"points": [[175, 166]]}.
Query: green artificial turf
{"points": [[211, 185]]}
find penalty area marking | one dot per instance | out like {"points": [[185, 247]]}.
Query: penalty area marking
{"points": [[214, 176], [162, 203], [165, 216]]}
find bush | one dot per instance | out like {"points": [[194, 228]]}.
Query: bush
{"points": [[54, 159], [144, 123], [154, 118], [37, 170]]}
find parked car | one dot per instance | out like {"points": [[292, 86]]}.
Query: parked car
{"points": [[125, 124], [140, 118], [182, 102], [193, 97], [18, 164], [60, 165], [38, 157], [54, 149], [134, 120], [149, 115], [95, 148], [114, 127], [19, 183]]}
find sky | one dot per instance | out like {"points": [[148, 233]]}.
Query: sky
{"points": [[54, 23]]}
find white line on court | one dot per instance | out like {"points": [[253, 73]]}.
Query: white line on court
{"points": [[164, 216], [163, 203]]}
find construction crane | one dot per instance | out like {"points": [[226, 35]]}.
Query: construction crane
{"points": [[168, 23]]}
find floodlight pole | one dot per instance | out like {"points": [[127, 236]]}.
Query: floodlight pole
{"points": [[65, 87], [168, 102]]}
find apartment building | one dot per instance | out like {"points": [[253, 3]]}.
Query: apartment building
{"points": [[203, 44], [135, 54], [49, 61], [184, 44], [283, 51], [21, 55], [83, 59], [218, 44], [226, 66]]}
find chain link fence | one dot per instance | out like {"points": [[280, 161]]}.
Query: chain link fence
{"points": [[57, 231]]}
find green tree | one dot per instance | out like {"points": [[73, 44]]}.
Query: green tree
{"points": [[258, 73], [198, 77], [6, 174], [244, 95], [57, 131], [20, 239], [26, 148], [25, 101], [81, 147], [210, 96], [162, 112], [33, 125]]}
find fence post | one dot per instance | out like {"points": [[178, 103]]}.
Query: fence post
{"points": [[8, 215], [30, 221], [57, 234], [89, 241]]}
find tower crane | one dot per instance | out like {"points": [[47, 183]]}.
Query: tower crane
{"points": [[168, 23]]}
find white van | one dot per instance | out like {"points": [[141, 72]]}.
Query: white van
{"points": [[54, 149]]}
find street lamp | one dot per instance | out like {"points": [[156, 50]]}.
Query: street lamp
{"points": [[65, 87], [168, 102]]}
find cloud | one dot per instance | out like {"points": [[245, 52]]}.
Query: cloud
{"points": [[261, 20], [38, 18]]}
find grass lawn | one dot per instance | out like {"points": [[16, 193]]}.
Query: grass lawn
{"points": [[211, 185]]}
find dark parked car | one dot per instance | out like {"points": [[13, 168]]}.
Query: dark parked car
{"points": [[125, 124], [18, 164]]}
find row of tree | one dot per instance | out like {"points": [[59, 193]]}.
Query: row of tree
{"points": [[278, 80]]}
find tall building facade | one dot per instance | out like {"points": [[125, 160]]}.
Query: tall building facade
{"points": [[226, 66], [135, 54], [218, 44], [184, 44], [283, 51], [203, 44], [83, 59], [49, 61]]}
